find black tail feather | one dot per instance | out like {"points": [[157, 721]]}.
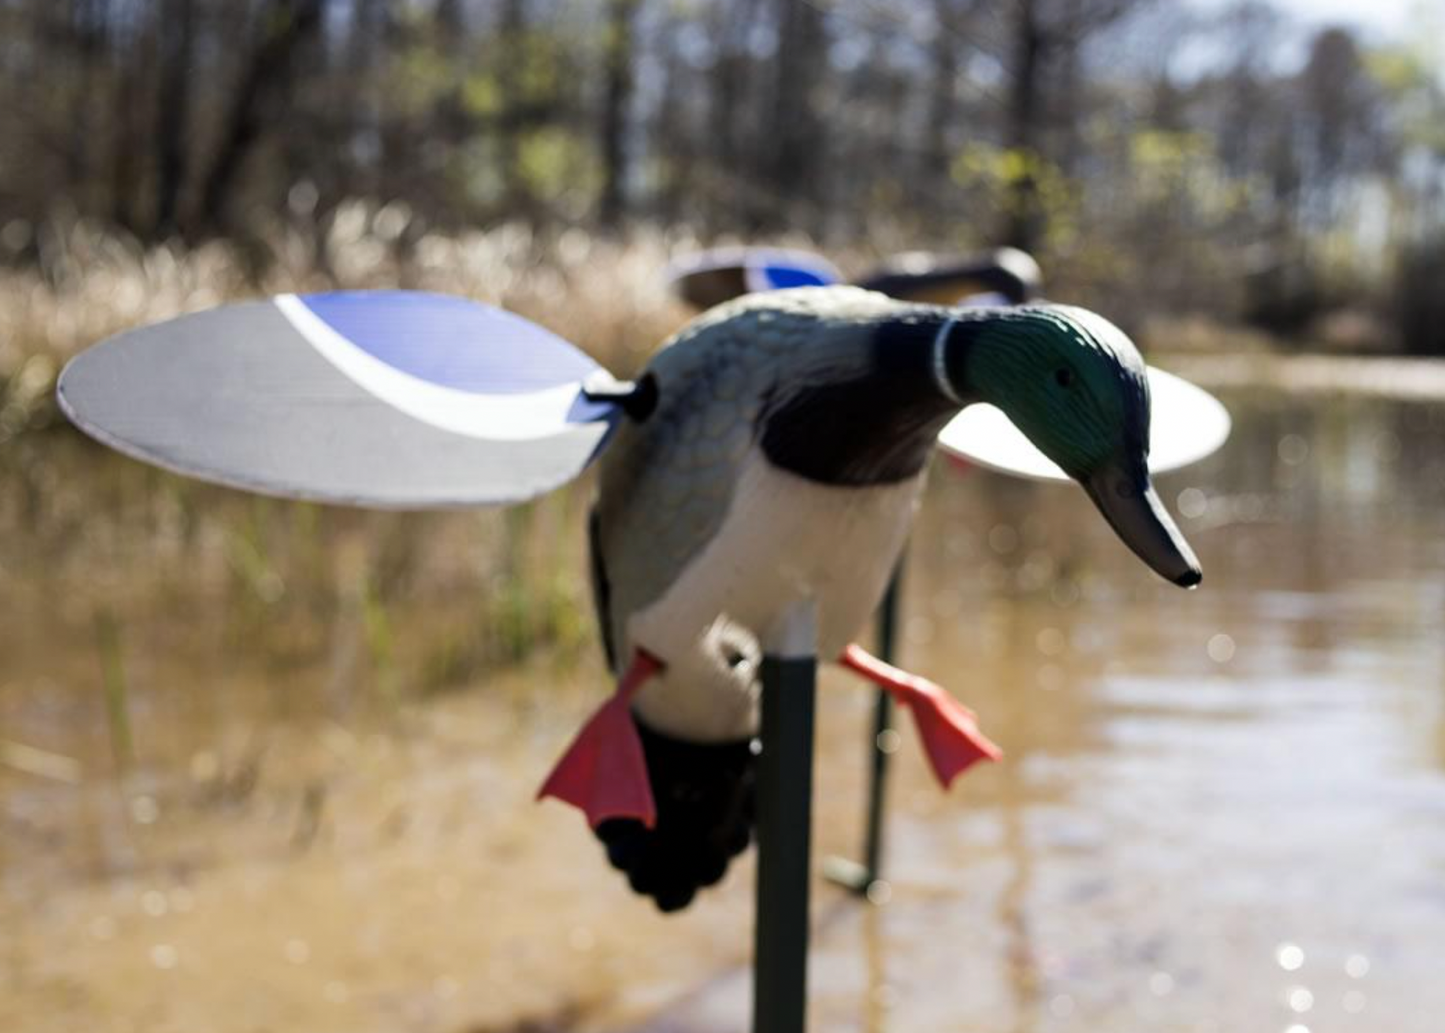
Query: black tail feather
{"points": [[704, 795]]}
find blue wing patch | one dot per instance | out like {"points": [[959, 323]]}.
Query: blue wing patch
{"points": [[452, 342], [779, 277]]}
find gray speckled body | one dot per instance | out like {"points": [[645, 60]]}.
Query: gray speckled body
{"points": [[690, 517]]}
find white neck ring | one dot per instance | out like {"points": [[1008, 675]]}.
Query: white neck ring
{"points": [[940, 361]]}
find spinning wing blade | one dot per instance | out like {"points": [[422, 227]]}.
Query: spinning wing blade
{"points": [[1186, 424], [708, 278], [393, 399]]}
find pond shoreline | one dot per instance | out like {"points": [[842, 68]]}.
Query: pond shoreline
{"points": [[1407, 379]]}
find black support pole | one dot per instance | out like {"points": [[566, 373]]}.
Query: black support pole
{"points": [[785, 797], [853, 875], [882, 724]]}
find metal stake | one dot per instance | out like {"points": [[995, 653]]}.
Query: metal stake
{"points": [[784, 813], [851, 874]]}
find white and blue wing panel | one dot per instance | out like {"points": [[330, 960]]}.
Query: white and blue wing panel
{"points": [[458, 365], [388, 398]]}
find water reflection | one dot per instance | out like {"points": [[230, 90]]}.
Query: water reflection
{"points": [[1220, 810]]}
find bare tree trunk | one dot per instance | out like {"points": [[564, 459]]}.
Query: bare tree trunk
{"points": [[450, 21], [671, 136], [621, 25], [287, 24], [125, 136], [176, 32], [1069, 86], [943, 60], [796, 137], [364, 63], [513, 33], [725, 108], [1023, 220], [84, 26]]}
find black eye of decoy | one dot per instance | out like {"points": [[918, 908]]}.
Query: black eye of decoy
{"points": [[1064, 376]]}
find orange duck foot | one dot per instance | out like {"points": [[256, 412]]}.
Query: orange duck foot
{"points": [[949, 730]]}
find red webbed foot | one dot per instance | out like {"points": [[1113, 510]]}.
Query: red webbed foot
{"points": [[949, 730], [603, 773]]}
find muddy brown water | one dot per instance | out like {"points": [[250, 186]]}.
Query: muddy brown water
{"points": [[254, 775]]}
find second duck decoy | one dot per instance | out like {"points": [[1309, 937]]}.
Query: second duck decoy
{"points": [[1004, 276]]}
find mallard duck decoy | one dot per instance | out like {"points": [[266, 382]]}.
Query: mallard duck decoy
{"points": [[784, 459], [1189, 423], [774, 450], [1003, 276]]}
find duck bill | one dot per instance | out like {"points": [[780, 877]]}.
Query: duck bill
{"points": [[1126, 497]]}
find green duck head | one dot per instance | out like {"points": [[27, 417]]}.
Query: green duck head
{"points": [[1075, 385]]}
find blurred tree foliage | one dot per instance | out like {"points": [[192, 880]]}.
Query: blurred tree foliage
{"points": [[1157, 156]]}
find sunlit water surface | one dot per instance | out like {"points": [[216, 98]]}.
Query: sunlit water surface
{"points": [[1221, 810]]}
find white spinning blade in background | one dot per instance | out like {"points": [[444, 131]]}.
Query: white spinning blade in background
{"points": [[1187, 423], [396, 399]]}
